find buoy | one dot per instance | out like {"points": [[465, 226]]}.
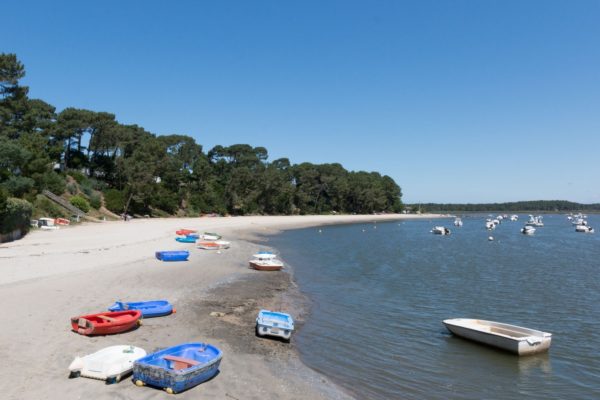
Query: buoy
{"points": [[320, 231], [490, 238]]}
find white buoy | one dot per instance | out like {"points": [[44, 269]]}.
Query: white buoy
{"points": [[320, 231], [490, 238]]}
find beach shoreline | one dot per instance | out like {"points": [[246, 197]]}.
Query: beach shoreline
{"points": [[47, 277]]}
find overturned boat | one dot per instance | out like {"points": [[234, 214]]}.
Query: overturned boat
{"points": [[515, 339], [109, 364]]}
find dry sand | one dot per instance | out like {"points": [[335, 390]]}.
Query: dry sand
{"points": [[48, 277]]}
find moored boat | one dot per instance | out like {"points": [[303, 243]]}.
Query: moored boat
{"points": [[182, 255], [458, 222], [106, 323], [584, 228], [512, 338], [528, 230], [149, 309], [109, 364], [178, 368], [440, 230], [273, 323], [265, 261]]}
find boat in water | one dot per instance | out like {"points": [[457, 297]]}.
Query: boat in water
{"points": [[178, 368], [265, 261], [109, 364], [584, 228], [535, 221], [528, 230], [273, 323], [440, 230], [458, 222], [515, 339], [514, 217], [149, 309], [106, 323]]}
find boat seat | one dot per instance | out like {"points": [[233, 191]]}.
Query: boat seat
{"points": [[181, 362], [109, 319]]}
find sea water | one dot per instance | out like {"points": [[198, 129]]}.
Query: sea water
{"points": [[380, 291]]}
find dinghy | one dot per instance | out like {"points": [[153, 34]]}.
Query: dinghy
{"points": [[149, 309], [210, 236], [109, 364], [440, 230], [178, 368], [182, 255], [512, 338], [186, 239], [106, 323], [274, 323], [214, 245], [265, 261], [185, 232]]}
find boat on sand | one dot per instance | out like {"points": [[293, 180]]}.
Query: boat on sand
{"points": [[149, 309], [109, 364], [106, 323], [265, 261], [515, 339], [178, 368]]}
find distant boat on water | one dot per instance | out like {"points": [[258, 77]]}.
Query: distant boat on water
{"points": [[440, 230]]}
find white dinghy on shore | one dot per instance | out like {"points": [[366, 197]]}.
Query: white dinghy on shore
{"points": [[109, 364], [515, 339]]}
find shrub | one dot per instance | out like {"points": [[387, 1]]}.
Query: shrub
{"points": [[72, 188], [18, 186], [81, 203], [52, 182], [79, 177], [95, 200], [114, 200], [16, 214], [44, 207]]}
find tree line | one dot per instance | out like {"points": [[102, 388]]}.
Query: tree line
{"points": [[511, 207], [139, 172]]}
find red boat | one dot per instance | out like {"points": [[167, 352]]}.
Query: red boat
{"points": [[106, 323], [185, 232]]}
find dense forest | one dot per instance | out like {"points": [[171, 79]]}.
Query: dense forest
{"points": [[519, 206], [94, 161]]}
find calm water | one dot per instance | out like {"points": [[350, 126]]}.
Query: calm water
{"points": [[380, 293]]}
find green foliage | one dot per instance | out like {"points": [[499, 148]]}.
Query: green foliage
{"points": [[18, 186], [114, 200], [72, 188], [53, 182], [80, 202], [16, 214], [79, 177], [44, 207], [96, 200]]}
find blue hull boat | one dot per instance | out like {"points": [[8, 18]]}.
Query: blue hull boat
{"points": [[149, 309], [178, 368], [187, 239], [273, 323], [173, 255]]}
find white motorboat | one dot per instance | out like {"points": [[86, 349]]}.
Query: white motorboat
{"points": [[516, 339], [458, 222], [528, 230], [535, 221], [584, 228], [440, 230], [489, 225], [109, 364], [47, 224], [265, 261], [514, 217]]}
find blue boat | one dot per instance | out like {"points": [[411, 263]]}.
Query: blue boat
{"points": [[182, 255], [178, 368], [186, 239], [149, 309], [274, 323]]}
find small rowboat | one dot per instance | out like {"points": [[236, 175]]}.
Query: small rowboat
{"points": [[149, 309], [187, 239], [265, 261], [274, 323], [172, 255], [106, 323], [512, 338], [109, 364], [178, 368], [62, 221], [210, 236], [214, 245], [185, 232]]}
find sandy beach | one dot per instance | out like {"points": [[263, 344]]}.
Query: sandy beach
{"points": [[48, 277]]}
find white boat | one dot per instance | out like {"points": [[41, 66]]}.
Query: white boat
{"points": [[489, 225], [109, 364], [535, 221], [514, 217], [265, 261], [516, 339], [528, 230], [440, 230], [458, 222], [584, 229], [47, 224]]}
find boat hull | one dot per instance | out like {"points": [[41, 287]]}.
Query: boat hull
{"points": [[109, 363], [106, 323], [515, 339], [265, 266], [272, 323], [172, 255], [158, 370], [149, 309], [187, 239]]}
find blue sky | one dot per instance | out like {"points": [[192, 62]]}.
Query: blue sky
{"points": [[458, 101]]}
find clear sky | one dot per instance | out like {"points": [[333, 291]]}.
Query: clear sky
{"points": [[458, 101]]}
